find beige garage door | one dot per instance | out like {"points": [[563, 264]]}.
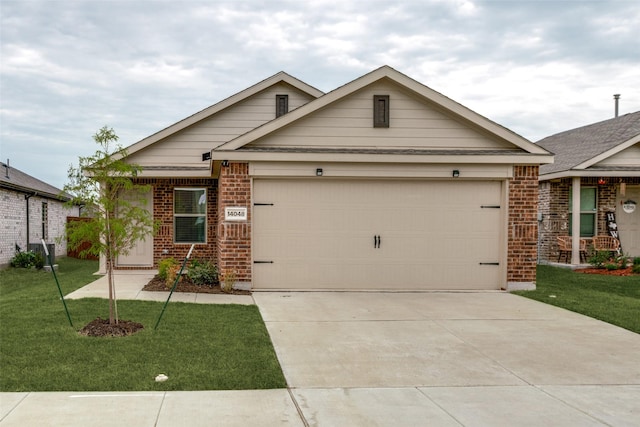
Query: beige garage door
{"points": [[377, 234]]}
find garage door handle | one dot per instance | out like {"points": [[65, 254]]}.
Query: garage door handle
{"points": [[489, 263], [376, 241]]}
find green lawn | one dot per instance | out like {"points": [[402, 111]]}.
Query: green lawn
{"points": [[198, 346], [615, 300]]}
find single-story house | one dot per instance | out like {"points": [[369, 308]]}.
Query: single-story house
{"points": [[382, 183], [596, 172], [30, 210]]}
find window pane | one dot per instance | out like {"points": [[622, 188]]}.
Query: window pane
{"points": [[190, 229], [190, 215], [190, 201], [587, 199], [587, 225]]}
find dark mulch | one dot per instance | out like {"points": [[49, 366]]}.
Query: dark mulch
{"points": [[185, 285], [603, 271], [102, 328]]}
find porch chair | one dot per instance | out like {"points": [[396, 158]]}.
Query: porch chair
{"points": [[606, 243], [564, 248]]}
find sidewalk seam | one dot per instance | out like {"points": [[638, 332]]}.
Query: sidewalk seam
{"points": [[295, 403]]}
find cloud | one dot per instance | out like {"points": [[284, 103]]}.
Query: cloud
{"points": [[69, 67]]}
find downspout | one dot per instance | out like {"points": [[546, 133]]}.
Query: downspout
{"points": [[27, 197]]}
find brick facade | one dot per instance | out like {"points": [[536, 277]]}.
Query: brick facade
{"points": [[234, 237], [522, 226], [229, 242], [554, 207], [163, 243], [13, 212]]}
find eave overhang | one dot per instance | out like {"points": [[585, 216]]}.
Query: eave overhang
{"points": [[617, 173], [379, 156]]}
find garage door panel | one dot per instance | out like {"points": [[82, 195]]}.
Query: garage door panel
{"points": [[319, 234]]}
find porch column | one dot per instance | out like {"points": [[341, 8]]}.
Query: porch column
{"points": [[575, 221]]}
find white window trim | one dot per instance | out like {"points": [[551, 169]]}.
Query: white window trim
{"points": [[175, 215]]}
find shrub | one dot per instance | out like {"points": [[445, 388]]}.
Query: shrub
{"points": [[611, 266], [27, 259], [635, 269], [172, 273], [164, 265], [599, 259], [623, 261], [636, 261], [228, 280], [203, 273]]}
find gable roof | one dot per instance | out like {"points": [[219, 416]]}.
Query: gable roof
{"points": [[213, 109], [459, 111], [579, 149], [16, 180]]}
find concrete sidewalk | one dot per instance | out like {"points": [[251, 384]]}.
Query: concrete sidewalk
{"points": [[389, 359], [129, 286]]}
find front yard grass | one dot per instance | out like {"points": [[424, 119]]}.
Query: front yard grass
{"points": [[612, 299], [198, 346]]}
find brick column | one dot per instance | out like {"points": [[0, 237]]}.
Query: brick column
{"points": [[523, 228], [234, 237]]}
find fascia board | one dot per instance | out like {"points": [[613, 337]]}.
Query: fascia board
{"points": [[341, 157], [608, 153], [175, 173], [589, 173], [226, 103]]}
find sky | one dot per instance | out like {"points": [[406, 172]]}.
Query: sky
{"points": [[68, 68]]}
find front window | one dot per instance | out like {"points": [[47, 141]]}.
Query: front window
{"points": [[588, 210], [190, 215]]}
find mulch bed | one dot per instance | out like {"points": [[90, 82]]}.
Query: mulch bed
{"points": [[185, 285], [102, 328], [605, 272]]}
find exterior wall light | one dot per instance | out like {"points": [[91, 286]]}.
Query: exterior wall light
{"points": [[319, 172], [456, 173], [225, 163]]}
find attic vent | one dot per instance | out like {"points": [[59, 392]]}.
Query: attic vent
{"points": [[282, 105], [380, 111]]}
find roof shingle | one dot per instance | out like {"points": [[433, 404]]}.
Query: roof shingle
{"points": [[576, 146]]}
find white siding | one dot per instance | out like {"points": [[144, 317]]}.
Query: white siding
{"points": [[414, 123], [185, 148], [628, 157]]}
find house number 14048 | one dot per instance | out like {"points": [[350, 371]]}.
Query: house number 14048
{"points": [[235, 214]]}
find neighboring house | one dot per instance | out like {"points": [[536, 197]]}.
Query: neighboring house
{"points": [[382, 183], [597, 167], [30, 210]]}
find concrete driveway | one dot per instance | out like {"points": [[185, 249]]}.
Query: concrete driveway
{"points": [[389, 359], [468, 359]]}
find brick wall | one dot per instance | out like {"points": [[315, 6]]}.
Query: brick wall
{"points": [[163, 244], [523, 225], [554, 205], [13, 226], [234, 237]]}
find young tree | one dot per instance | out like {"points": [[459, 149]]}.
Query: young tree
{"points": [[115, 223]]}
